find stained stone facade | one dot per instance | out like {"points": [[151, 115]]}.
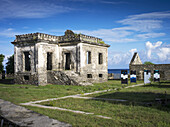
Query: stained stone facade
{"points": [[137, 65], [72, 59]]}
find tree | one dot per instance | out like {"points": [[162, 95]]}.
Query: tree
{"points": [[10, 65], [1, 62], [148, 63]]}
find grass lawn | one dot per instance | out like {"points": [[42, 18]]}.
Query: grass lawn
{"points": [[122, 114], [134, 112], [146, 93], [24, 93]]}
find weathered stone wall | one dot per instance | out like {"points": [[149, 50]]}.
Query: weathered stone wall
{"points": [[135, 59], [37, 45], [74, 53], [21, 75], [53, 79], [163, 68], [35, 36], [60, 78], [69, 36], [42, 49], [26, 78], [89, 38], [19, 57], [94, 68]]}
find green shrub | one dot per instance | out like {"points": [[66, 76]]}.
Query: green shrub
{"points": [[148, 63]]}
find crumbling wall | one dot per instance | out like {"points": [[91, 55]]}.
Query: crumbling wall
{"points": [[23, 76], [26, 78], [72, 49], [47, 53], [99, 72], [19, 57], [163, 68], [42, 49]]}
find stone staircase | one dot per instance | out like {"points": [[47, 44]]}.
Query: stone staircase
{"points": [[66, 78]]}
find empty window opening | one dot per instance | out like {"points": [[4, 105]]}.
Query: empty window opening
{"points": [[67, 61], [100, 75], [59, 65], [89, 75], [26, 77], [88, 57], [49, 61], [27, 61], [100, 58]]}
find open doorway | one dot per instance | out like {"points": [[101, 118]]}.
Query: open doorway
{"points": [[67, 61]]}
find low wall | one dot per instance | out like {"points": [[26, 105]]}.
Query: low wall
{"points": [[164, 70], [26, 78], [7, 76], [114, 76]]}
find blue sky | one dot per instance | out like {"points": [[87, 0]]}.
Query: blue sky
{"points": [[127, 25]]}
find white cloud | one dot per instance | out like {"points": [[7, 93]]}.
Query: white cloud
{"points": [[132, 51], [152, 15], [164, 54], [29, 9], [145, 22], [143, 26], [122, 58], [10, 29], [9, 32], [134, 28], [109, 35], [113, 2], [140, 25], [155, 52], [116, 59], [25, 27], [151, 47], [7, 56], [6, 59], [150, 35]]}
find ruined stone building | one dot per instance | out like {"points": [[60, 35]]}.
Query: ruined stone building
{"points": [[137, 65], [72, 59]]}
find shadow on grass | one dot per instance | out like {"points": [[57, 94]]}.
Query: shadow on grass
{"points": [[158, 85], [159, 101]]}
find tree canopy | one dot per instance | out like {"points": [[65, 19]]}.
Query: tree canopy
{"points": [[10, 65], [1, 62], [148, 63]]}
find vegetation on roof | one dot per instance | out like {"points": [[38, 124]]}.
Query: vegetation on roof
{"points": [[76, 35], [101, 42]]}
